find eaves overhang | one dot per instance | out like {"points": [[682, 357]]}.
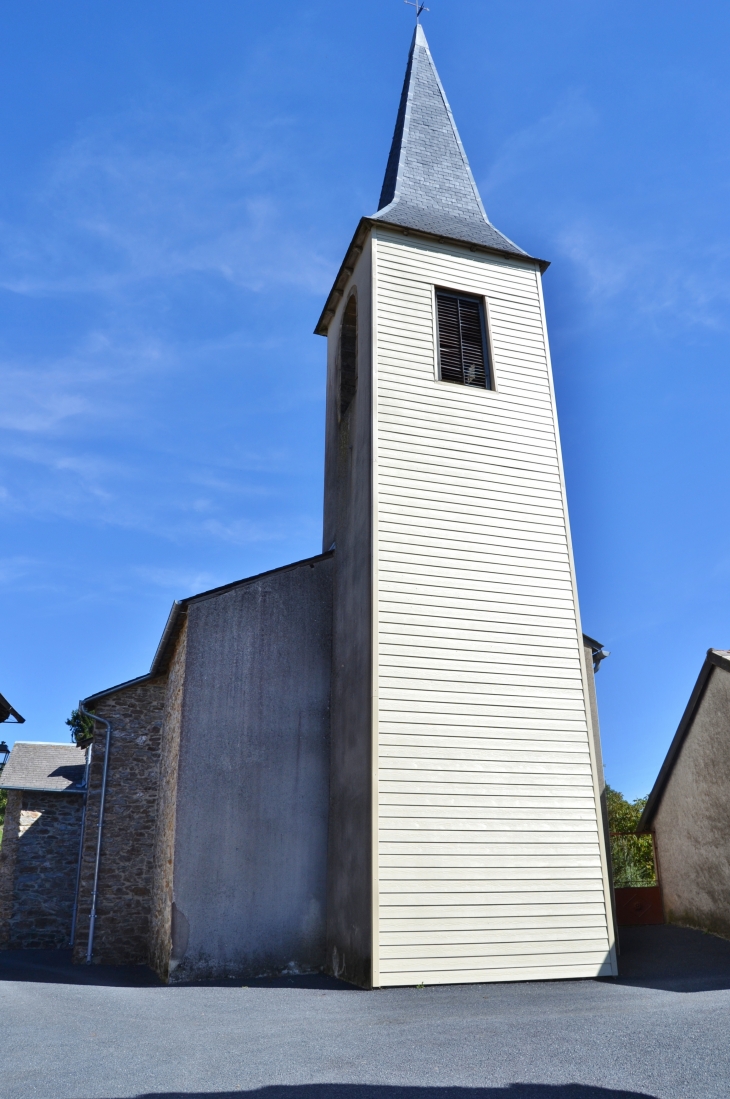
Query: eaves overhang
{"points": [[715, 659], [7, 711], [45, 789], [354, 251]]}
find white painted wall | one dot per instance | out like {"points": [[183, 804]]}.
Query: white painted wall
{"points": [[489, 863]]}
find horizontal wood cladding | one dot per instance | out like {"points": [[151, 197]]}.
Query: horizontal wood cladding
{"points": [[488, 857]]}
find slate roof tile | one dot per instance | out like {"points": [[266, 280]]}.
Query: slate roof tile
{"points": [[51, 767], [428, 183]]}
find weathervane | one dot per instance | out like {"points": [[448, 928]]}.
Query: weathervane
{"points": [[419, 8]]}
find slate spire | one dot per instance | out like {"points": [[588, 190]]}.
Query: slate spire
{"points": [[428, 183]]}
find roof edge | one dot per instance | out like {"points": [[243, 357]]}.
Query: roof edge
{"points": [[11, 712], [113, 690], [714, 659], [367, 224], [179, 610], [45, 789]]}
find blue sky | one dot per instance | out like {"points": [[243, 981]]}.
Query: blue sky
{"points": [[180, 180]]}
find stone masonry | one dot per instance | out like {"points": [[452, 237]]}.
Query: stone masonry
{"points": [[125, 882], [160, 946], [38, 865]]}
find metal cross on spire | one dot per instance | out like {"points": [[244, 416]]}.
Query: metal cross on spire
{"points": [[419, 8]]}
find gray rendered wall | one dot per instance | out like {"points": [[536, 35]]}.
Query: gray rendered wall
{"points": [[348, 510], [249, 879], [692, 824]]}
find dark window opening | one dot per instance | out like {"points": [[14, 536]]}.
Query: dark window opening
{"points": [[348, 355], [463, 348]]}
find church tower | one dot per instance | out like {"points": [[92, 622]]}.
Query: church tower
{"points": [[465, 826]]}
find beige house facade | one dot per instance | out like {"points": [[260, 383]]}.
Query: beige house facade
{"points": [[687, 811]]}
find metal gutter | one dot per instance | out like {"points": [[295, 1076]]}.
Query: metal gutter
{"points": [[45, 789], [74, 918], [100, 828]]}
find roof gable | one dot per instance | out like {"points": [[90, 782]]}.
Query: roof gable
{"points": [[716, 658]]}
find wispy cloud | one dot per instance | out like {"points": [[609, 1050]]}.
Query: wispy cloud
{"points": [[178, 580], [672, 279], [526, 149], [154, 194]]}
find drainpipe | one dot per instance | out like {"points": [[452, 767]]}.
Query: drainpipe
{"points": [[72, 940], [97, 860]]}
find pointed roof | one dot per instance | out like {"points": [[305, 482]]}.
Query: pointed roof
{"points": [[428, 184]]}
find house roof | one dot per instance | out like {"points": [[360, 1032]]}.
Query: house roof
{"points": [[176, 618], [54, 768], [428, 187], [7, 711], [716, 658]]}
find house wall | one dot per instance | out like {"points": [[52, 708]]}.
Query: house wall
{"points": [[38, 864], [348, 510], [490, 855], [160, 945], [249, 877], [8, 853], [692, 824], [125, 880]]}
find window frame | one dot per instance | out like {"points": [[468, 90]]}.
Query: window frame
{"points": [[486, 322]]}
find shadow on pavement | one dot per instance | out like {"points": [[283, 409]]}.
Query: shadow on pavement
{"points": [[386, 1091], [673, 959], [56, 967]]}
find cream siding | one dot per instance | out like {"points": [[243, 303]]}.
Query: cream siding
{"points": [[488, 864]]}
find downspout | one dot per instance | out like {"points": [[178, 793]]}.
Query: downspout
{"points": [[74, 917], [97, 860]]}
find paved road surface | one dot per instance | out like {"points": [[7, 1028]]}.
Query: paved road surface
{"points": [[661, 1030]]}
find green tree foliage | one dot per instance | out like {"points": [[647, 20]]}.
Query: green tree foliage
{"points": [[82, 728], [632, 855], [623, 815]]}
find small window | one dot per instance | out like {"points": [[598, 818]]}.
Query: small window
{"points": [[463, 354], [348, 355]]}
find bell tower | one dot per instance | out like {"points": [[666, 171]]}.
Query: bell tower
{"points": [[465, 839]]}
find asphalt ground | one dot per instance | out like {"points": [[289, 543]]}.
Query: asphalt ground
{"points": [[661, 1029]]}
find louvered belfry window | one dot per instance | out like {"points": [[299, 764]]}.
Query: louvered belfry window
{"points": [[463, 354]]}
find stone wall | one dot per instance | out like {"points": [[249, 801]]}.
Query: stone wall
{"points": [[160, 948], [39, 861], [125, 881], [8, 854]]}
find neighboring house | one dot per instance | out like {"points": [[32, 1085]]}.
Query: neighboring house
{"points": [[688, 810], [383, 761], [40, 847]]}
